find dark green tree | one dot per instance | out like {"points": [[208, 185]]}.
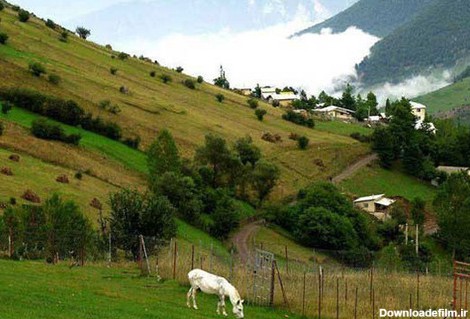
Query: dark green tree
{"points": [[347, 100], [247, 151], [264, 178], [216, 154], [83, 32], [383, 143], [418, 206]]}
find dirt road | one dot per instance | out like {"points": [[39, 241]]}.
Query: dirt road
{"points": [[241, 240], [349, 171]]}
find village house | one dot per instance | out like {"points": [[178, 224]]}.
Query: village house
{"points": [[336, 112], [284, 98], [418, 110], [244, 91], [376, 205]]}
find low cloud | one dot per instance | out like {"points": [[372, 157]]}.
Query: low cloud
{"points": [[313, 62], [414, 86]]}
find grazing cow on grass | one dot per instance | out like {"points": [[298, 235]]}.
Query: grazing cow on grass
{"points": [[214, 285]]}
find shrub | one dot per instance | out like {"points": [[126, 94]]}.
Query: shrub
{"points": [[153, 74], [6, 107], [166, 78], [16, 8], [63, 36], [13, 201], [23, 15], [114, 109], [298, 119], [189, 84], [276, 103], [97, 125], [220, 97], [113, 70], [200, 79], [260, 113], [179, 69], [104, 105], [83, 32], [3, 38], [253, 103], [36, 68], [123, 56], [49, 131], [303, 142], [50, 24], [2, 128], [133, 142], [124, 89], [108, 46], [361, 137], [2, 6], [79, 175], [54, 79]]}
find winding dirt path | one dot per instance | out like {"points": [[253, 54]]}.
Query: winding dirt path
{"points": [[241, 239], [349, 171]]}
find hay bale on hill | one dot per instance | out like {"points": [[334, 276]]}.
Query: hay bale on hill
{"points": [[294, 136], [95, 203], [62, 179], [6, 171], [271, 138], [14, 157], [31, 196]]}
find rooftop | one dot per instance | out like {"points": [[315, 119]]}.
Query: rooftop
{"points": [[369, 198]]}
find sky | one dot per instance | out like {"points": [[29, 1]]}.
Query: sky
{"points": [[249, 38]]}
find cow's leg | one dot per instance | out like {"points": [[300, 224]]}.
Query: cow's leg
{"points": [[188, 296], [194, 297], [218, 306], [222, 301]]}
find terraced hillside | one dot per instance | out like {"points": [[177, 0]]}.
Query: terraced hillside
{"points": [[149, 106]]}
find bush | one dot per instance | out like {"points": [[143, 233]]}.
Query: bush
{"points": [[133, 142], [6, 107], [79, 175], [49, 131], [153, 74], [3, 38], [361, 137], [36, 68], [179, 69], [189, 84], [220, 97], [54, 79], [63, 36], [83, 32], [97, 125], [200, 79], [16, 8], [113, 70], [123, 56], [23, 15], [253, 103], [2, 6], [108, 46], [50, 24], [299, 119], [303, 142], [260, 113], [166, 78], [124, 89]]}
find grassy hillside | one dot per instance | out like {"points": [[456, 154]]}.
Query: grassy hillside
{"points": [[376, 180], [436, 38], [149, 107], [36, 290], [451, 101], [377, 17]]}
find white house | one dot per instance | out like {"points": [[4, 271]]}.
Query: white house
{"points": [[377, 205], [335, 112], [418, 110], [284, 98]]}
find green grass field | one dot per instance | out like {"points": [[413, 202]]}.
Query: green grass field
{"points": [[36, 290], [447, 98], [376, 180]]}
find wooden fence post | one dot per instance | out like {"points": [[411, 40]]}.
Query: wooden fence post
{"points": [[320, 284], [337, 298], [175, 251], [271, 293], [355, 305], [282, 286], [145, 254], [373, 303], [417, 289], [371, 283]]}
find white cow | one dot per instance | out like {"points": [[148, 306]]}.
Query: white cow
{"points": [[214, 285]]}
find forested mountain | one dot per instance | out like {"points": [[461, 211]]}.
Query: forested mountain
{"points": [[378, 17], [436, 38]]}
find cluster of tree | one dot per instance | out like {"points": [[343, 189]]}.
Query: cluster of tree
{"points": [[322, 217], [64, 111], [43, 129], [204, 190], [55, 228], [420, 150], [221, 80]]}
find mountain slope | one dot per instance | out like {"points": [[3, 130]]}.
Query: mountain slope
{"points": [[437, 38], [377, 17], [149, 107]]}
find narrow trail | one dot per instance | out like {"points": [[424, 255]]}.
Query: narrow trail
{"points": [[349, 171], [241, 239]]}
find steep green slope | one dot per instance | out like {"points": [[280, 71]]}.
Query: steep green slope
{"points": [[436, 38], [150, 106], [377, 17]]}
